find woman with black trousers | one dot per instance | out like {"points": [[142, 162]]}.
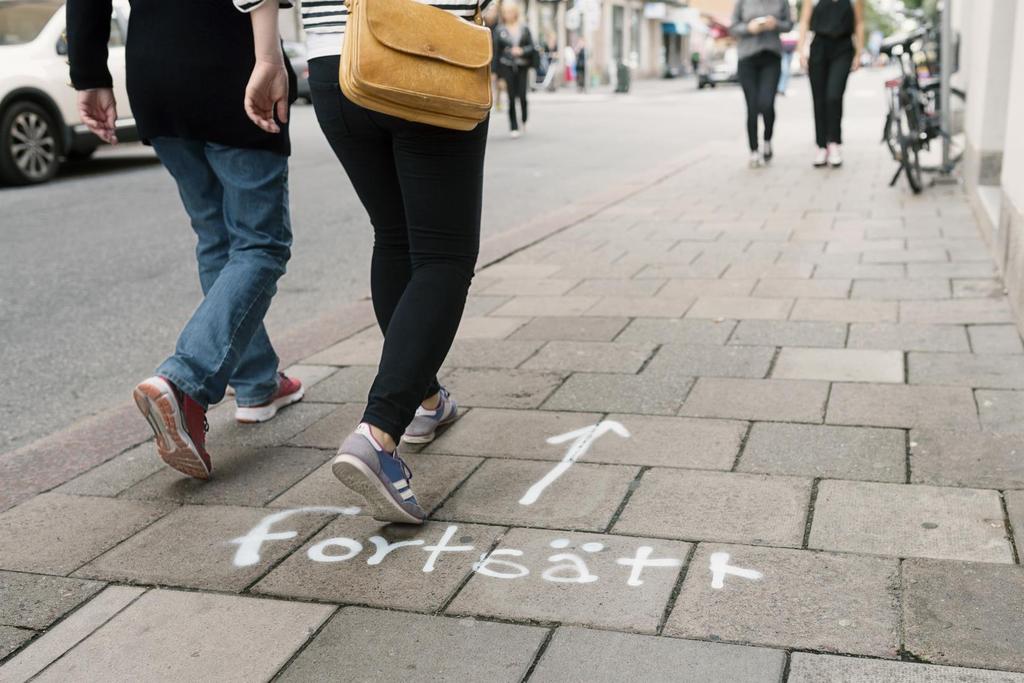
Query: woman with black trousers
{"points": [[514, 52], [757, 24], [838, 27], [422, 187]]}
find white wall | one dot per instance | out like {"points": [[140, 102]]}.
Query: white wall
{"points": [[987, 43], [1013, 155]]}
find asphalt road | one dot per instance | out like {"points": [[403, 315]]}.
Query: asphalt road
{"points": [[97, 272]]}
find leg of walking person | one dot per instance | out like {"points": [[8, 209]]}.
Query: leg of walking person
{"points": [[256, 380], [817, 73], [250, 187], [767, 88], [510, 87], [523, 84], [747, 73], [835, 89], [369, 150]]}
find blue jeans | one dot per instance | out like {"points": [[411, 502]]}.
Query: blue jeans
{"points": [[238, 202]]}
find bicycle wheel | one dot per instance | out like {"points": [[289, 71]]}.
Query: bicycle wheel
{"points": [[909, 153], [931, 158]]}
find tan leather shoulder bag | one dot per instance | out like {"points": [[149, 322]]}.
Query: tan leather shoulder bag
{"points": [[416, 62]]}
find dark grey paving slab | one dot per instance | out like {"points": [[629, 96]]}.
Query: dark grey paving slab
{"points": [[825, 451], [374, 645], [1015, 507], [995, 339], [531, 287], [347, 385], [181, 636], [718, 506], [839, 365], [585, 497], [572, 329], [55, 534], [910, 521], [671, 442], [484, 327], [195, 547], [756, 399], [35, 601], [956, 311], [811, 668], [577, 654], [789, 333], [967, 459], [806, 600], [542, 306], [490, 353], [897, 405], [434, 477], [686, 360], [512, 433], [334, 565], [645, 394], [574, 579], [241, 476], [330, 430], [906, 337], [964, 613], [11, 639], [590, 357], [227, 434], [501, 388], [114, 476], [361, 349], [988, 371], [668, 331], [481, 305], [1000, 411]]}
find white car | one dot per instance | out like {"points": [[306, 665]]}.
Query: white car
{"points": [[39, 122]]}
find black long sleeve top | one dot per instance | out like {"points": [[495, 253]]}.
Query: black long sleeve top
{"points": [[188, 62]]}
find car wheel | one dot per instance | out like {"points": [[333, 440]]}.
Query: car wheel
{"points": [[29, 147]]}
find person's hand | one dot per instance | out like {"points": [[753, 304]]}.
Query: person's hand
{"points": [[856, 62], [755, 26], [804, 61], [267, 93], [98, 110], [769, 23], [517, 52]]}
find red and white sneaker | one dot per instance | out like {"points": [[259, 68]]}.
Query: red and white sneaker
{"points": [[179, 424], [289, 391]]}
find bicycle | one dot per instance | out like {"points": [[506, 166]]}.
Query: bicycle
{"points": [[914, 118]]}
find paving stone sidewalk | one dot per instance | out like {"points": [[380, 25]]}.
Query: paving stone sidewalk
{"points": [[795, 403]]}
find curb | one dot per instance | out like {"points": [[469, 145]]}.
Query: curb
{"points": [[55, 459]]}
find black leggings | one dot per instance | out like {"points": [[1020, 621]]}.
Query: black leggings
{"points": [[516, 84], [828, 69], [423, 189], [759, 75]]}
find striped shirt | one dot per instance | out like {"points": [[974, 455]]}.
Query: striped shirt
{"points": [[324, 20]]}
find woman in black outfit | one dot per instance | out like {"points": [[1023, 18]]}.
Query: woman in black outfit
{"points": [[514, 53], [838, 27], [757, 24]]}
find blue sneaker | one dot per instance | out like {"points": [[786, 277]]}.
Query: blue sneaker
{"points": [[425, 424], [381, 478]]}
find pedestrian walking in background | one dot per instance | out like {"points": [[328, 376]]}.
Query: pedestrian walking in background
{"points": [[758, 25], [422, 187], [515, 53], [838, 27], [233, 181], [789, 43], [580, 65]]}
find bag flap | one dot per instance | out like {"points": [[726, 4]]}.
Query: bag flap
{"points": [[415, 28]]}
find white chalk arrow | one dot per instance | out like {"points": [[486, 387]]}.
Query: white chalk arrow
{"points": [[582, 440]]}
